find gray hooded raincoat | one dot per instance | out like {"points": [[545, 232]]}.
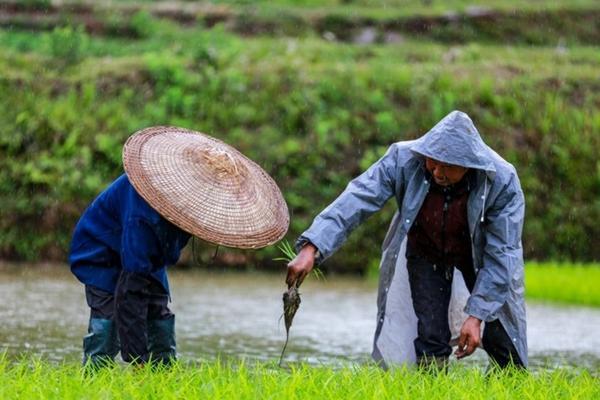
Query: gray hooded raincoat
{"points": [[495, 214]]}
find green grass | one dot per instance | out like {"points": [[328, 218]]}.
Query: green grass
{"points": [[533, 22], [496, 60], [563, 283], [33, 379], [386, 10], [370, 8]]}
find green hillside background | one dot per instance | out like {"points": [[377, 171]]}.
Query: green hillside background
{"points": [[313, 91]]}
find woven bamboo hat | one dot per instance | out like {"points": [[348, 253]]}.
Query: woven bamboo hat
{"points": [[206, 187]]}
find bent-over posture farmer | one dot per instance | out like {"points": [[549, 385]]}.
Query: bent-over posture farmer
{"points": [[178, 183], [459, 222]]}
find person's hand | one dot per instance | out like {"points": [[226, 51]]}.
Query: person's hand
{"points": [[469, 337], [301, 266]]}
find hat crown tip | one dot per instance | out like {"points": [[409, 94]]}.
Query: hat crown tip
{"points": [[219, 162]]}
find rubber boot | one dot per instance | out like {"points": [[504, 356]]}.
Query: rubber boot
{"points": [[161, 341], [433, 364], [101, 344]]}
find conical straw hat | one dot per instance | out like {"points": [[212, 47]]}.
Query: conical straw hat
{"points": [[206, 187]]}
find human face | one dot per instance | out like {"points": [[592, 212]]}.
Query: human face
{"points": [[444, 174]]}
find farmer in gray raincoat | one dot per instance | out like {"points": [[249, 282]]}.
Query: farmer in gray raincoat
{"points": [[452, 262]]}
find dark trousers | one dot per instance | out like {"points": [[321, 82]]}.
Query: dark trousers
{"points": [[139, 314], [431, 286]]}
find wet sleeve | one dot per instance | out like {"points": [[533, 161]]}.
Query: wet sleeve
{"points": [[362, 197], [502, 256], [140, 247]]}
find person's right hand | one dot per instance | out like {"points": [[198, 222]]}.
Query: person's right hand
{"points": [[301, 266], [469, 340]]}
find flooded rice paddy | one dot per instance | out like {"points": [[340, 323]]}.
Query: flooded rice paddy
{"points": [[224, 315]]}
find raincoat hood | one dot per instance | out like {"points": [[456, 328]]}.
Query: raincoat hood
{"points": [[455, 140]]}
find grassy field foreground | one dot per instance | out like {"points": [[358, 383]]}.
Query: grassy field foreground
{"points": [[29, 379]]}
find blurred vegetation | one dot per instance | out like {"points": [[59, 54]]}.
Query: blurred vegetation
{"points": [[451, 21], [563, 283], [312, 110]]}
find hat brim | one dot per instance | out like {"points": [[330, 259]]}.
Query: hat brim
{"points": [[206, 187]]}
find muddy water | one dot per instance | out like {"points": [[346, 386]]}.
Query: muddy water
{"points": [[43, 312]]}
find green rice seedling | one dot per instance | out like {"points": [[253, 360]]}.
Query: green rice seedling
{"points": [[37, 379], [289, 254], [291, 297]]}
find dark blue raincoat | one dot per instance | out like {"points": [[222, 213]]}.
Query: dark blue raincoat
{"points": [[120, 231]]}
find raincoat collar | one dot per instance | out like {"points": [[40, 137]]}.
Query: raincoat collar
{"points": [[455, 140]]}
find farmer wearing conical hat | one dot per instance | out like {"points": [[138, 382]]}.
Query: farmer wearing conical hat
{"points": [[455, 241], [178, 183]]}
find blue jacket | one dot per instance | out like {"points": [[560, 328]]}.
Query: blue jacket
{"points": [[495, 212], [119, 230]]}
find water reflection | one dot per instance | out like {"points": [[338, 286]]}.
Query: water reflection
{"points": [[238, 315]]}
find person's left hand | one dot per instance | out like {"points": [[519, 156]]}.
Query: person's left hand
{"points": [[469, 337]]}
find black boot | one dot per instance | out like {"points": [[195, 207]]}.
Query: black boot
{"points": [[101, 344], [161, 341]]}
